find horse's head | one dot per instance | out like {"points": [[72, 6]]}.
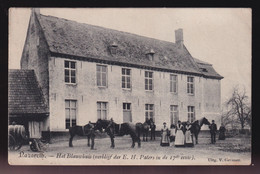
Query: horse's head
{"points": [[205, 121]]}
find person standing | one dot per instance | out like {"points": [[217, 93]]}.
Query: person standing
{"points": [[222, 131], [213, 131], [188, 135], [164, 135], [179, 139], [172, 134], [153, 127]]}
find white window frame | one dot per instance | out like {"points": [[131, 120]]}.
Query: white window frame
{"points": [[125, 76], [148, 79], [173, 83], [70, 108], [190, 85], [102, 74], [174, 113], [70, 70], [191, 114], [102, 109], [148, 110]]}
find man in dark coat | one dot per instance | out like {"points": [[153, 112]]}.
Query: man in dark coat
{"points": [[153, 127], [213, 131]]}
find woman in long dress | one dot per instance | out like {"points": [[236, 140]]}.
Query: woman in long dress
{"points": [[188, 135], [179, 138], [172, 134], [164, 134]]}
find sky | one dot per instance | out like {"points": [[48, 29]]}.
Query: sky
{"points": [[219, 36]]}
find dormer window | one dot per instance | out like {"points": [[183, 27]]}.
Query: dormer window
{"points": [[150, 55], [203, 69], [113, 48]]}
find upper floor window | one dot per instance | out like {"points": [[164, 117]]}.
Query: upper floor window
{"points": [[70, 71], [173, 83], [149, 112], [190, 85], [191, 114], [70, 113], [126, 78], [102, 110], [148, 80], [101, 75]]}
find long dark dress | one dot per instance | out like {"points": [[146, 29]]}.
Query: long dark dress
{"points": [[188, 137], [222, 131]]}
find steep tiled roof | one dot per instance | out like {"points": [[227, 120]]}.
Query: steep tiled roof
{"points": [[24, 96], [84, 40], [207, 69]]}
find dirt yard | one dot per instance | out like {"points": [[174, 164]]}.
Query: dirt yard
{"points": [[232, 151]]}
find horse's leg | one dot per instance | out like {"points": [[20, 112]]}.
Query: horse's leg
{"points": [[196, 138], [139, 142], [92, 141], [143, 136], [71, 138], [147, 135], [89, 140], [112, 142], [133, 142]]}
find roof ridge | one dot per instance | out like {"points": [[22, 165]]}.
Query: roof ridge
{"points": [[115, 30]]}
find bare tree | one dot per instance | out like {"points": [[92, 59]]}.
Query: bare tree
{"points": [[239, 106]]}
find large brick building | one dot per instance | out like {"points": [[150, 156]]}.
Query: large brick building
{"points": [[88, 72]]}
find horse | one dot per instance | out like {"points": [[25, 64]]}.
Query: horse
{"points": [[17, 135], [143, 128], [196, 126], [86, 130], [112, 129]]}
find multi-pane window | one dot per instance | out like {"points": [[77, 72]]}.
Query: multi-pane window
{"points": [[126, 106], [190, 85], [126, 78], [70, 71], [101, 75], [148, 80], [102, 110], [149, 111], [174, 117], [173, 83], [70, 113], [191, 113]]}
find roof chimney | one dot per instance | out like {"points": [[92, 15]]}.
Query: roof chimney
{"points": [[179, 38], [36, 10]]}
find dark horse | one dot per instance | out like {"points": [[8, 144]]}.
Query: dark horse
{"points": [[143, 128], [112, 129], [196, 126], [87, 130]]}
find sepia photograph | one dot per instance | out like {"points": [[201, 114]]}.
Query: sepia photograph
{"points": [[129, 86]]}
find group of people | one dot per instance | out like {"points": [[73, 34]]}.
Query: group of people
{"points": [[175, 135], [179, 138]]}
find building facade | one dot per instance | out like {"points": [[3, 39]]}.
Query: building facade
{"points": [[88, 72]]}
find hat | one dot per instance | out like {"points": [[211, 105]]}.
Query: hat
{"points": [[164, 122], [213, 120]]}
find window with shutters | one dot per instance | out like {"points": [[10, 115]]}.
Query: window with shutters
{"points": [[149, 112], [191, 114]]}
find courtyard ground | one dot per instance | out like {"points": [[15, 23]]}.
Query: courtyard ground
{"points": [[232, 151]]}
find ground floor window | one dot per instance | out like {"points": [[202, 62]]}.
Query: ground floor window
{"points": [[191, 113], [127, 115], [102, 110], [71, 113], [149, 112], [174, 116]]}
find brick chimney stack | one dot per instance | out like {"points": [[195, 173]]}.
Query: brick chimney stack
{"points": [[179, 38]]}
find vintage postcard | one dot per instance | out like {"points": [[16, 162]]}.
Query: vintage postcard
{"points": [[126, 86]]}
